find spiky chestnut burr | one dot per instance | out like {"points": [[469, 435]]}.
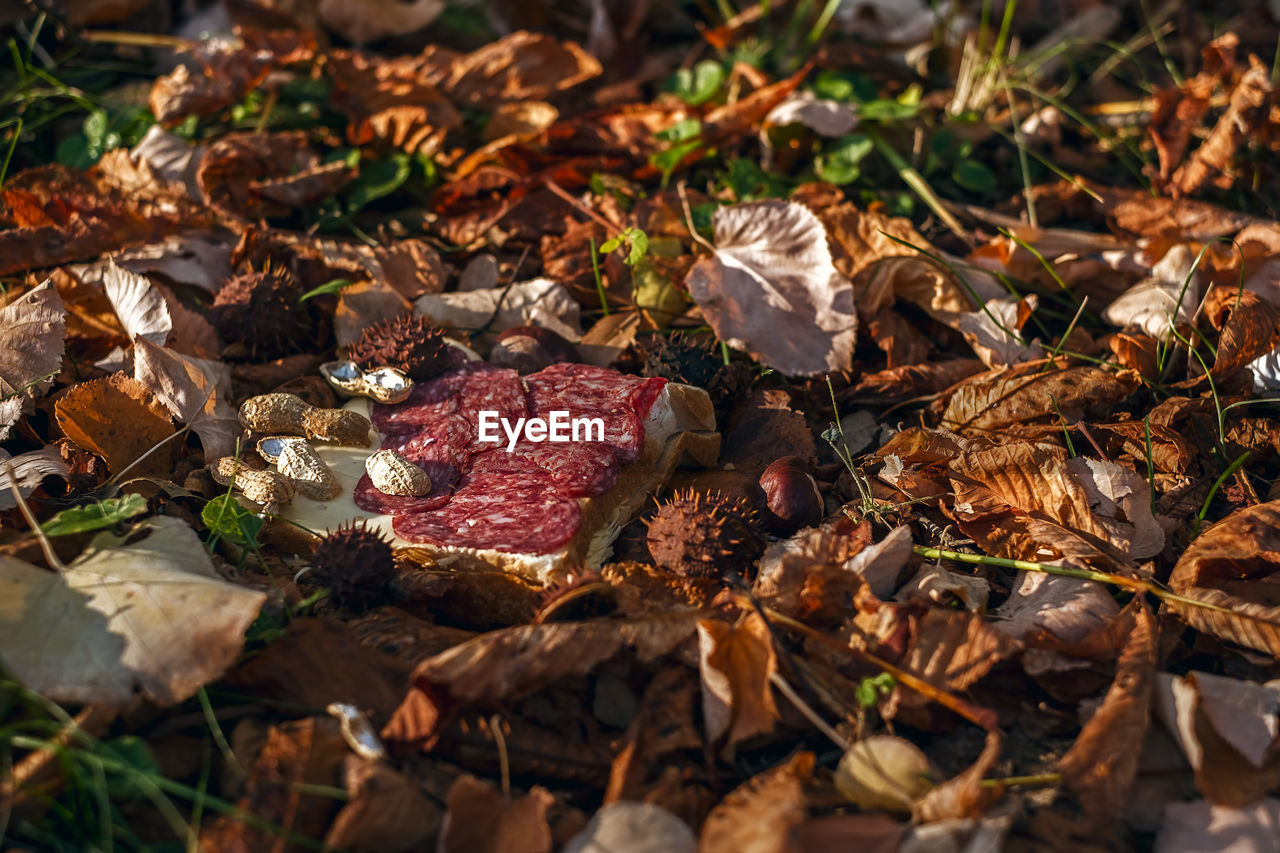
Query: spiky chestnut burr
{"points": [[357, 566], [705, 535], [680, 358], [260, 311], [409, 343]]}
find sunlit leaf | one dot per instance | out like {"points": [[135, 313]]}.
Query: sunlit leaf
{"points": [[95, 516]]}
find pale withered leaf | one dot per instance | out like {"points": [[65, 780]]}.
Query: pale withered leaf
{"points": [[130, 617], [771, 289], [32, 335]]}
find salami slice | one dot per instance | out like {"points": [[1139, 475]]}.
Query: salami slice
{"points": [[368, 498], [491, 513], [574, 470], [466, 391]]}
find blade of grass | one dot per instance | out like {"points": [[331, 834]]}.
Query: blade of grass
{"points": [[916, 182]]}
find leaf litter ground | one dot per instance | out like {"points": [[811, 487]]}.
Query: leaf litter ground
{"points": [[988, 306]]}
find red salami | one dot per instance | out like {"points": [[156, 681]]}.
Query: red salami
{"points": [[370, 499], [525, 500], [492, 514], [574, 470]]}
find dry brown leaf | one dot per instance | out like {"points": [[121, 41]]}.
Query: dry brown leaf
{"points": [[234, 166], [1227, 730], [195, 390], [1232, 568], [394, 102], [1067, 609], [1102, 764], [28, 471], [507, 663], [629, 827], [916, 380], [1250, 328], [771, 289], [523, 66], [764, 814], [1167, 299], [226, 71], [32, 339], [994, 331], [139, 305], [365, 304], [810, 575], [964, 796], [1201, 827], [955, 648], [139, 615], [281, 762], [1246, 109], [386, 812], [118, 418], [481, 820], [990, 401], [736, 662]]}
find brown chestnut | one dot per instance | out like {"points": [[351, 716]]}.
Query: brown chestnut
{"points": [[528, 349], [792, 499]]}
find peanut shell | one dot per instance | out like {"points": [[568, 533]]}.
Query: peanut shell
{"points": [[269, 488], [307, 472], [392, 474], [339, 426], [275, 413]]}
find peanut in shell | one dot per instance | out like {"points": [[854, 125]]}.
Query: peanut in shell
{"points": [[269, 488], [275, 413], [337, 426], [393, 474], [307, 472]]}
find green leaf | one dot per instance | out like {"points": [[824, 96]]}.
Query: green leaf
{"points": [[227, 519], [886, 109], [378, 179], [844, 86], [639, 245], [130, 751], [839, 163], [681, 131], [336, 285], [700, 84], [95, 516], [975, 176], [610, 245]]}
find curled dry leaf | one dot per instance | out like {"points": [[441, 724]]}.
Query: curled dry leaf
{"points": [[630, 827], [810, 575], [387, 811], [224, 71], [33, 330], [1166, 299], [118, 418], [1246, 110], [1230, 568], [138, 304], [994, 331], [538, 302], [736, 662], [396, 103], [144, 613], [1250, 328], [993, 400], [763, 813], [1228, 730], [955, 648], [1102, 764], [1201, 827], [481, 819], [520, 67], [514, 661], [28, 472], [771, 289], [196, 392]]}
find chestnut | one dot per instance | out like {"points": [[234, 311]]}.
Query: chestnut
{"points": [[792, 499], [528, 349]]}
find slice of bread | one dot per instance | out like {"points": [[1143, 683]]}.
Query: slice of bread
{"points": [[680, 428]]}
